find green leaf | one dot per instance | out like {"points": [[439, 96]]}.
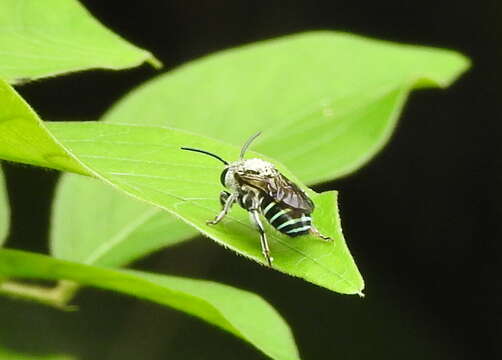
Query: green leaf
{"points": [[4, 210], [239, 312], [23, 137], [338, 107], [147, 163], [310, 117], [11, 355], [50, 37], [162, 176], [107, 227], [327, 102]]}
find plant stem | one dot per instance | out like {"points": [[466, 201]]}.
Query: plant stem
{"points": [[57, 296]]}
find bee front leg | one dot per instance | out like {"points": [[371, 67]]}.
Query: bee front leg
{"points": [[255, 218], [224, 195], [227, 201]]}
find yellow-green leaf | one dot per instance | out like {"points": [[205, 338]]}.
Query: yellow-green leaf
{"points": [[239, 312], [50, 37], [147, 163], [107, 227], [326, 101]]}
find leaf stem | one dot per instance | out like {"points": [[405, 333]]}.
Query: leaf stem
{"points": [[57, 297]]}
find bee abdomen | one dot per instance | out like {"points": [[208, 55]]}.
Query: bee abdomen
{"points": [[289, 221]]}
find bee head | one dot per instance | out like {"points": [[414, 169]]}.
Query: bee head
{"points": [[257, 169], [223, 176], [251, 166]]}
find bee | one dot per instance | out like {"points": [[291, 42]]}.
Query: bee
{"points": [[258, 187]]}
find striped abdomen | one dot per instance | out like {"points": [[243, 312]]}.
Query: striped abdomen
{"points": [[289, 221]]}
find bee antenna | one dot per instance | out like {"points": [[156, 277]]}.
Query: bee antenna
{"points": [[246, 145], [205, 152]]}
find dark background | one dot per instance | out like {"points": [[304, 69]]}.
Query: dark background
{"points": [[422, 219]]}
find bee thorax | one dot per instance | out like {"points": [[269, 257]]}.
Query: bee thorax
{"points": [[258, 166], [253, 167]]}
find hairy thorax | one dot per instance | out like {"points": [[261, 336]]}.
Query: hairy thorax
{"points": [[252, 167]]}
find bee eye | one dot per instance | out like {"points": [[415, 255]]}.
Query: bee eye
{"points": [[222, 176]]}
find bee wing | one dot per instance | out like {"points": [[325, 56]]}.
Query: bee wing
{"points": [[281, 189], [286, 191]]}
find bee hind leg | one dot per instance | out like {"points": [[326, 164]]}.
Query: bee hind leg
{"points": [[263, 238], [315, 232], [227, 200]]}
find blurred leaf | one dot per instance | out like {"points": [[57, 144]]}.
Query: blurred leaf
{"points": [[50, 37], [23, 137], [239, 312], [4, 210], [147, 163], [327, 102], [107, 227], [11, 355]]}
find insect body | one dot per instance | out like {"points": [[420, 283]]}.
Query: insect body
{"points": [[261, 189]]}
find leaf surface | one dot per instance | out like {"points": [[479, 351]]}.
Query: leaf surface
{"points": [[342, 122], [147, 163], [107, 227], [239, 312], [11, 355], [23, 137], [326, 101], [51, 37]]}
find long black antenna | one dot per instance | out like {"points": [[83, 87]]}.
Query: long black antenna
{"points": [[207, 153], [246, 145]]}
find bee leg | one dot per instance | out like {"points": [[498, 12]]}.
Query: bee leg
{"points": [[263, 238], [316, 232], [227, 200], [224, 195]]}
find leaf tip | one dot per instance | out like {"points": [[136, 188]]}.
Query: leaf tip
{"points": [[154, 62]]}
